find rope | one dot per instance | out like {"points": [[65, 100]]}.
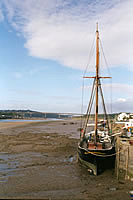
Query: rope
{"points": [[104, 108], [90, 55], [105, 58], [91, 52], [106, 64], [107, 155], [82, 104], [89, 106]]}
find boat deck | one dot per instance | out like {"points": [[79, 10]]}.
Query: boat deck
{"points": [[92, 146]]}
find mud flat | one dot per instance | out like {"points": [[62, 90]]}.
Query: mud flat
{"points": [[38, 160]]}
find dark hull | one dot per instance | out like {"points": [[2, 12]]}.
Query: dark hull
{"points": [[97, 160]]}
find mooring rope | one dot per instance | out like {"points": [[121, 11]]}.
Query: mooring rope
{"points": [[89, 152]]}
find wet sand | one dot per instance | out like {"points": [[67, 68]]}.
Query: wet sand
{"points": [[38, 160]]}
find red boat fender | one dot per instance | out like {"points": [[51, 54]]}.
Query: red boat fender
{"points": [[82, 132]]}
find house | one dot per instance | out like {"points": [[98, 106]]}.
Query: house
{"points": [[131, 115], [123, 117]]}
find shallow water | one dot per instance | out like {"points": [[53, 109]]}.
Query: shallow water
{"points": [[6, 166], [29, 120], [10, 164]]}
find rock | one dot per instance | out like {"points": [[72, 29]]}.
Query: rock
{"points": [[113, 189]]}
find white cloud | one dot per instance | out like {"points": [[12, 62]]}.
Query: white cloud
{"points": [[118, 97], [126, 106], [63, 30], [125, 101], [121, 100]]}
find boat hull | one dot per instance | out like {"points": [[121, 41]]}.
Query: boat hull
{"points": [[97, 160]]}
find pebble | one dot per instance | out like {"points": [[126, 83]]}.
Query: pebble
{"points": [[113, 189]]}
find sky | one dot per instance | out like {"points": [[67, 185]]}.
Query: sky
{"points": [[46, 46]]}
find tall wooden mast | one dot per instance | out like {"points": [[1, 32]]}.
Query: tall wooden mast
{"points": [[97, 81], [95, 92]]}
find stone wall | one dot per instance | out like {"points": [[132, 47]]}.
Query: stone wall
{"points": [[124, 159]]}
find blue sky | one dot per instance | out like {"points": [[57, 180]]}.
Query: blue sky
{"points": [[44, 48]]}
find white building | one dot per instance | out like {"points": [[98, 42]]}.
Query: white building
{"points": [[131, 115], [123, 117]]}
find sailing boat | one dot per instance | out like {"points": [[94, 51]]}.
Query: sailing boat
{"points": [[96, 148]]}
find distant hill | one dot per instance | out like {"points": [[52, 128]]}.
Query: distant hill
{"points": [[22, 114]]}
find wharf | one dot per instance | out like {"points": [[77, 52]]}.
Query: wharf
{"points": [[124, 158]]}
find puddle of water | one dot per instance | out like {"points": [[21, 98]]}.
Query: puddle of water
{"points": [[70, 159], [7, 166], [10, 163]]}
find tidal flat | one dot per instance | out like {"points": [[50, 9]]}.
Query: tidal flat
{"points": [[38, 160]]}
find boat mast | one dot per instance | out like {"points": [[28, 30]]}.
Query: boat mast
{"points": [[97, 81], [95, 91]]}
